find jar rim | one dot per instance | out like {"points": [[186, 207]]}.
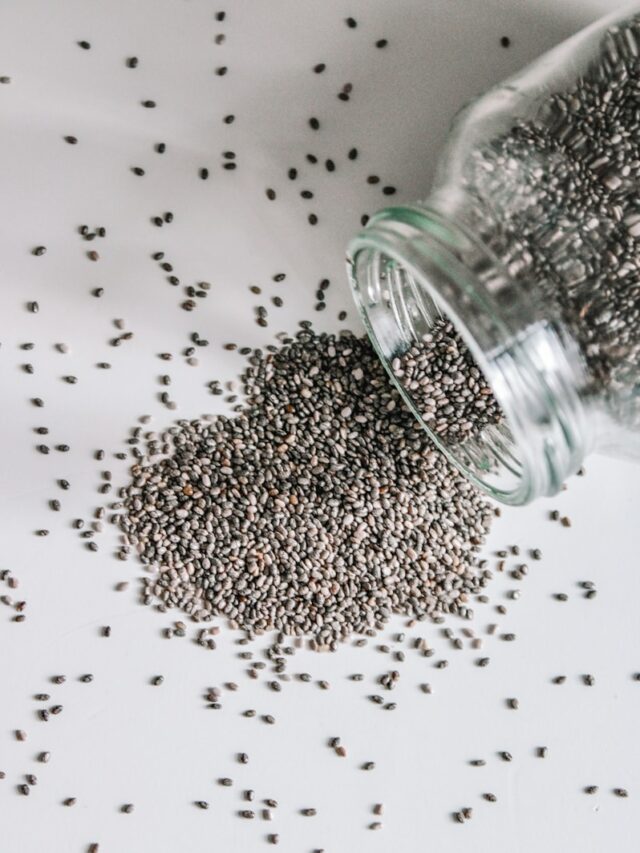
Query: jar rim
{"points": [[430, 248]]}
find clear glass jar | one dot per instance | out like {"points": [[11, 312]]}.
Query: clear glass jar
{"points": [[529, 244]]}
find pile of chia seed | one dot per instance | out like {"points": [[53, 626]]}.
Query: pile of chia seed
{"points": [[556, 198], [320, 509], [317, 507], [446, 386]]}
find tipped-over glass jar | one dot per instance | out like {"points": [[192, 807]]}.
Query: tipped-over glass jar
{"points": [[506, 307]]}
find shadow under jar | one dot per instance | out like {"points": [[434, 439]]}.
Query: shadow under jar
{"points": [[506, 307]]}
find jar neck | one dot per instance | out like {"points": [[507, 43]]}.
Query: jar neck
{"points": [[412, 265]]}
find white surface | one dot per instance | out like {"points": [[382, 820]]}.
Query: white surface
{"points": [[119, 739]]}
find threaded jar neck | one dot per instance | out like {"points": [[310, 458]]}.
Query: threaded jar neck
{"points": [[412, 268]]}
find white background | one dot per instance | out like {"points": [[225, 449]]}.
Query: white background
{"points": [[118, 739]]}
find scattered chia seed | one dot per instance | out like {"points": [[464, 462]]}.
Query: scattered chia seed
{"points": [[319, 508]]}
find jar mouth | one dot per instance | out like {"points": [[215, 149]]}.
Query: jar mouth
{"points": [[409, 271]]}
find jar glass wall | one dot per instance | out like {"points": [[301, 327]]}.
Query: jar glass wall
{"points": [[507, 306]]}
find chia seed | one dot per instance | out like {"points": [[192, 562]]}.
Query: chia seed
{"points": [[446, 386], [304, 414], [578, 158]]}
